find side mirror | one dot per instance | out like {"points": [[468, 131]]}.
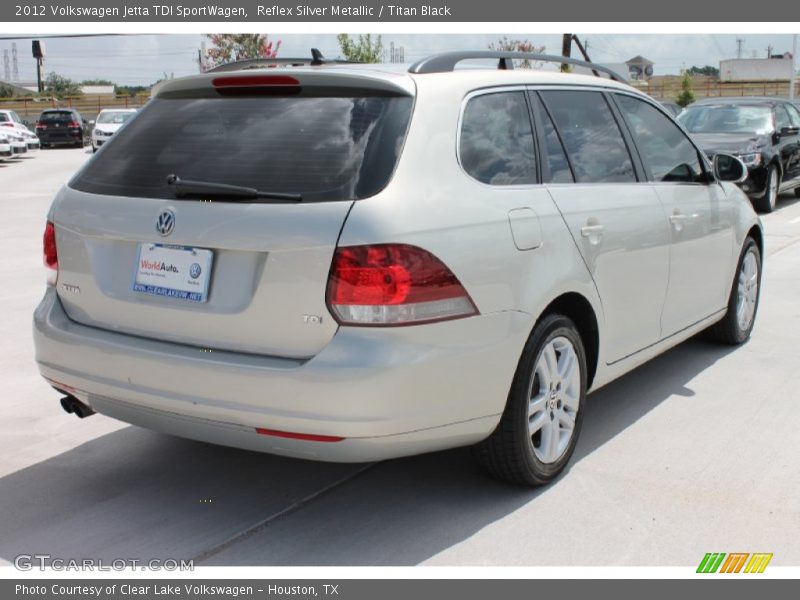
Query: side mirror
{"points": [[91, 122], [729, 168], [790, 130]]}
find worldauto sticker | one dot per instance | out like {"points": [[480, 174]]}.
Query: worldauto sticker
{"points": [[152, 265]]}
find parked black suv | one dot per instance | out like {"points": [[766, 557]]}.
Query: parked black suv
{"points": [[62, 126], [763, 132]]}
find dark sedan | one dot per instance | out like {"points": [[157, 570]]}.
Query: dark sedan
{"points": [[62, 126], [763, 132]]}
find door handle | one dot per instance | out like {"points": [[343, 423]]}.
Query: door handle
{"points": [[590, 230], [677, 219]]}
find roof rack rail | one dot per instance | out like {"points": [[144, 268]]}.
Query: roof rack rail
{"points": [[447, 61], [316, 59]]}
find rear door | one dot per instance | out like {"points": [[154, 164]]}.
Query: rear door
{"points": [[617, 222], [213, 270], [699, 213]]}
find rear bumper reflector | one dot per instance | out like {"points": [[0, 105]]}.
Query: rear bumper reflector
{"points": [[309, 437]]}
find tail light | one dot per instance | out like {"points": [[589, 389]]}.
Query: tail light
{"points": [[394, 284], [74, 124], [50, 253], [7, 124], [41, 126]]}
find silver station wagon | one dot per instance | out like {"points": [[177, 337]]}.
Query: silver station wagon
{"points": [[350, 263]]}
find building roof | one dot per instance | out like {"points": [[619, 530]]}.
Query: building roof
{"points": [[19, 88], [97, 90], [639, 59]]}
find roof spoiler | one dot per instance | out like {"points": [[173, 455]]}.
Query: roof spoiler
{"points": [[315, 60], [447, 61]]}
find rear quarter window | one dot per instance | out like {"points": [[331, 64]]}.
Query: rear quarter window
{"points": [[496, 142]]}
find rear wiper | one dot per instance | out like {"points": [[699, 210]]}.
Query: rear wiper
{"points": [[227, 193]]}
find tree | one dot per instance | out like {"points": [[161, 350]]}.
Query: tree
{"points": [[362, 50], [97, 82], [506, 45], [6, 91], [686, 97], [60, 87], [228, 47], [708, 71]]}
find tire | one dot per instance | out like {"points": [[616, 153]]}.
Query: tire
{"points": [[94, 148], [766, 204], [518, 452], [797, 192], [737, 324]]}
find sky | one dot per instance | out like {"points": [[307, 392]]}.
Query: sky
{"points": [[144, 59]]}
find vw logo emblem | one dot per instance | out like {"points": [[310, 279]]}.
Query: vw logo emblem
{"points": [[194, 271], [165, 222]]}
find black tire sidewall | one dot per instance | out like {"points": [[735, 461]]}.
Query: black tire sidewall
{"points": [[742, 335], [548, 328]]}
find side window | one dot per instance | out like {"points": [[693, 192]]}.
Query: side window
{"points": [[666, 150], [556, 159], [781, 118], [595, 145], [794, 115], [497, 139]]}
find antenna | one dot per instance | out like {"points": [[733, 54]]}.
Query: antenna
{"points": [[6, 65], [739, 47]]}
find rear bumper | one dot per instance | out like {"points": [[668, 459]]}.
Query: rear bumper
{"points": [[69, 137], [389, 392]]}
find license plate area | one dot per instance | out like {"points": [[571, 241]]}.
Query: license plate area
{"points": [[180, 272]]}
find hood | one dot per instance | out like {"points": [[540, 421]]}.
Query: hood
{"points": [[108, 127], [730, 143]]}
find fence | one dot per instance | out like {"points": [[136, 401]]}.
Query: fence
{"points": [[29, 108], [670, 89]]}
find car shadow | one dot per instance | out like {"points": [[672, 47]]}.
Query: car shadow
{"points": [[136, 493]]}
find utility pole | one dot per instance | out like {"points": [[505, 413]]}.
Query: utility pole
{"points": [[794, 67], [739, 47], [769, 51], [566, 49]]}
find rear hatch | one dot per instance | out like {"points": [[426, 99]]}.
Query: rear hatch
{"points": [[213, 267], [57, 125]]}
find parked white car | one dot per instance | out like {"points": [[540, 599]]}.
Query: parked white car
{"points": [[5, 147], [344, 263], [19, 144], [11, 120], [108, 122]]}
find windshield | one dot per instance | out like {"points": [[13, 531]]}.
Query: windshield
{"points": [[325, 148], [728, 119], [114, 117]]}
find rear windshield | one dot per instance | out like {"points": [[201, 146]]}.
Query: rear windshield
{"points": [[4, 118], [325, 148], [56, 116]]}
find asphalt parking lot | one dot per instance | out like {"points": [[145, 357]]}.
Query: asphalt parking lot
{"points": [[695, 452]]}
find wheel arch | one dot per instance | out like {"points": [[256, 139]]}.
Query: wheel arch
{"points": [[758, 235], [579, 310]]}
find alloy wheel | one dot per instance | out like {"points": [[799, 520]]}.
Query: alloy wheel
{"points": [[554, 398]]}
